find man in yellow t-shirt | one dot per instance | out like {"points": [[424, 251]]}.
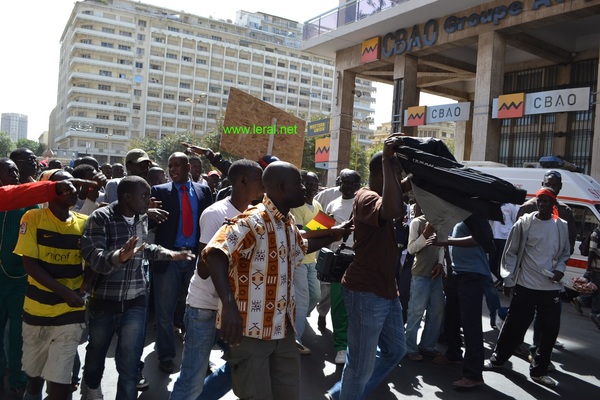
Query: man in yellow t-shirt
{"points": [[308, 288], [54, 310]]}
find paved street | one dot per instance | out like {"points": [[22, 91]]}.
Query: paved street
{"points": [[576, 370]]}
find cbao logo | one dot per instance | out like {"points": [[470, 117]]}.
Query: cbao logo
{"points": [[511, 105], [416, 116], [370, 50]]}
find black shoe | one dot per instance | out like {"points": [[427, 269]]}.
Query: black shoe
{"points": [[321, 322], [166, 366], [142, 383]]}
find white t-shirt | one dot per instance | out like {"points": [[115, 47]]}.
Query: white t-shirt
{"points": [[340, 209], [202, 292], [509, 214], [326, 196]]}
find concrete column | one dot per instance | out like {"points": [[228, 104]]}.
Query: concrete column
{"points": [[561, 124], [491, 51], [406, 91], [341, 124], [595, 167]]}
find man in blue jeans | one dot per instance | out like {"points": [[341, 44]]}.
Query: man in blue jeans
{"points": [[185, 201], [376, 341], [113, 246]]}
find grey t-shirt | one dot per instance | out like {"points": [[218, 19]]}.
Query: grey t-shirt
{"points": [[540, 248]]}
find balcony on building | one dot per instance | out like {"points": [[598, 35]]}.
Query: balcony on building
{"points": [[358, 20]]}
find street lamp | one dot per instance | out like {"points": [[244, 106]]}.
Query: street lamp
{"points": [[108, 136], [194, 101]]}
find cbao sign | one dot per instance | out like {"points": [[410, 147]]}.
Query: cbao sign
{"points": [[449, 112], [553, 101], [425, 35], [422, 115]]}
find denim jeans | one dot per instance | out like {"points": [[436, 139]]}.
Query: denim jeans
{"points": [[376, 343], [167, 286], [130, 327], [425, 294], [308, 294], [200, 337]]}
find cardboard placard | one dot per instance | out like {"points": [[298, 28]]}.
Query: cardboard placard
{"points": [[254, 128]]}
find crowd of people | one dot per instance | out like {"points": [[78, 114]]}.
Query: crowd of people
{"points": [[225, 258]]}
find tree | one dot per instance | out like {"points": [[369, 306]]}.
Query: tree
{"points": [[6, 144], [28, 144], [160, 150]]}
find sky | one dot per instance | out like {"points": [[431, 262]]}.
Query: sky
{"points": [[30, 32]]}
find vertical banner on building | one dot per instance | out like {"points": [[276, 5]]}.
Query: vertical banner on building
{"points": [[511, 105], [415, 116], [322, 153], [370, 50]]}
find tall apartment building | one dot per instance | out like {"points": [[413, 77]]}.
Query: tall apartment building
{"points": [[131, 70], [15, 125]]}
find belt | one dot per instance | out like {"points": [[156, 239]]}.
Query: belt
{"points": [[192, 249]]}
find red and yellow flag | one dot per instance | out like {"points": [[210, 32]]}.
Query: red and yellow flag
{"points": [[320, 221]]}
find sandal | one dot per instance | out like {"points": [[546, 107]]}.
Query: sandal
{"points": [[414, 356]]}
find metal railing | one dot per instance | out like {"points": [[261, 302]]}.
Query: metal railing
{"points": [[343, 15]]}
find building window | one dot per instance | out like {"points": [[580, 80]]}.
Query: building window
{"points": [[137, 106], [159, 40], [142, 23], [200, 61], [104, 87], [118, 132], [155, 66], [105, 73], [172, 56], [186, 58], [124, 76], [101, 116], [169, 96], [106, 44], [141, 36], [217, 38], [107, 30], [123, 47], [269, 74], [121, 118], [86, 56], [172, 29], [137, 92], [100, 130], [125, 33], [87, 27], [139, 64], [184, 85], [85, 41]]}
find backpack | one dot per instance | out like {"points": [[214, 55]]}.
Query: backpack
{"points": [[584, 247]]}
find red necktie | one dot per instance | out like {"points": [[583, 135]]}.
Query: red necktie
{"points": [[186, 213]]}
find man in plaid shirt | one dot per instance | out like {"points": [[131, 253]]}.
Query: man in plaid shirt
{"points": [[113, 245]]}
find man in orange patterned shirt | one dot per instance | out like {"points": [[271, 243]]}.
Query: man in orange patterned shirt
{"points": [[251, 261]]}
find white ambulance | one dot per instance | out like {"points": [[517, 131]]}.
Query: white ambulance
{"points": [[580, 192]]}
